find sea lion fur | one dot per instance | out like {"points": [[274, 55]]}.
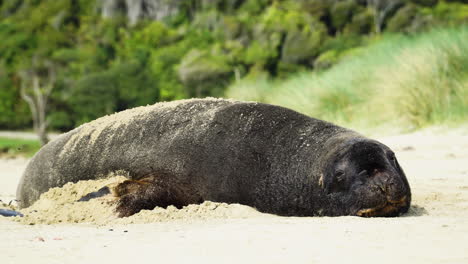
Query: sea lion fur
{"points": [[269, 157]]}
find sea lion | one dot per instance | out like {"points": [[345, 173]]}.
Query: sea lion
{"points": [[269, 157]]}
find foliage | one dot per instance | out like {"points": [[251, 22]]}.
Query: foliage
{"points": [[448, 12], [361, 24], [198, 69], [123, 86], [14, 112], [326, 60], [341, 13], [111, 59], [403, 19]]}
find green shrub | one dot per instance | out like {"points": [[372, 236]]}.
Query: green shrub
{"points": [[123, 86], [135, 85], [14, 43], [231, 28], [60, 120], [326, 60], [14, 112], [406, 19], [253, 7], [343, 42], [300, 46], [428, 3], [361, 23], [261, 51], [93, 96], [209, 20], [285, 69], [7, 8], [163, 62], [296, 32], [341, 12], [201, 72], [402, 19], [448, 13], [317, 8]]}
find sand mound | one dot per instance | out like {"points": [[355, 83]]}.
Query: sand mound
{"points": [[60, 205]]}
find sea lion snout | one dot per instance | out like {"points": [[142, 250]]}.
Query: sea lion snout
{"points": [[365, 179], [388, 209], [391, 185], [393, 190]]}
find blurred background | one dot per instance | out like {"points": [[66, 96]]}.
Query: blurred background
{"points": [[365, 64]]}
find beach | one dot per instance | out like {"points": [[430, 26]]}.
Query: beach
{"points": [[434, 231]]}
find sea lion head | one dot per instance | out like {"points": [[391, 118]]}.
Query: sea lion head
{"points": [[363, 178]]}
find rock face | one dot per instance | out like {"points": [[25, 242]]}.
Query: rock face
{"points": [[136, 10], [265, 156]]}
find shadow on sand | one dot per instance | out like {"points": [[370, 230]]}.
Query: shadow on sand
{"points": [[416, 210]]}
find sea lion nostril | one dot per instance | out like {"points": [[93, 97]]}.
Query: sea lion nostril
{"points": [[384, 189]]}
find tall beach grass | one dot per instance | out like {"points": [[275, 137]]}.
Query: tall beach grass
{"points": [[401, 81]]}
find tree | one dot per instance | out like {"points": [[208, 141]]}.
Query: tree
{"points": [[136, 10], [36, 87]]}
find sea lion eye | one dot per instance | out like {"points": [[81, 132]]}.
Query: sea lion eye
{"points": [[338, 183]]}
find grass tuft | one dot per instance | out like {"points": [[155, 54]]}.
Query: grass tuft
{"points": [[405, 81]]}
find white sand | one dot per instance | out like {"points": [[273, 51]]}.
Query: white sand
{"points": [[436, 164], [10, 173]]}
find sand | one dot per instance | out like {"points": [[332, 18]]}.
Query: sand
{"points": [[61, 205], [435, 161]]}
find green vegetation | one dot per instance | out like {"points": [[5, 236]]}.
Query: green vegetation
{"points": [[18, 147], [409, 81], [106, 56]]}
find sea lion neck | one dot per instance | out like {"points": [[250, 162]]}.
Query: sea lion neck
{"points": [[314, 145]]}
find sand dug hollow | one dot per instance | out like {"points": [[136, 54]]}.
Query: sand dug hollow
{"points": [[60, 205]]}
